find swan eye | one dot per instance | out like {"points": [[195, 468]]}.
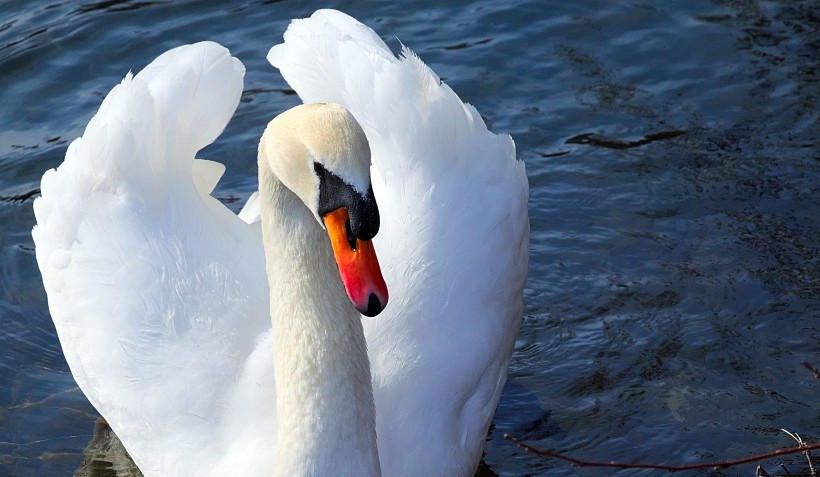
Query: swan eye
{"points": [[351, 239]]}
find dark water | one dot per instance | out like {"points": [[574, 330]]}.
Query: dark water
{"points": [[673, 151]]}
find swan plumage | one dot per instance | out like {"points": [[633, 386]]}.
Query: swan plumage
{"points": [[159, 293]]}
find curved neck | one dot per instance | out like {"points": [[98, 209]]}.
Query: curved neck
{"points": [[324, 396]]}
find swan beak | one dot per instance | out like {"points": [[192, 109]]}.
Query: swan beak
{"points": [[358, 265]]}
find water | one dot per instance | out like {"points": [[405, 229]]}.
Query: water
{"points": [[672, 151]]}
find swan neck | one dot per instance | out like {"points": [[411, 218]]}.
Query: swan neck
{"points": [[325, 410]]}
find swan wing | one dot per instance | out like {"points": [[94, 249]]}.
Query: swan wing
{"points": [[453, 242], [157, 291]]}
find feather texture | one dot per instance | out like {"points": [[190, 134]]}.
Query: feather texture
{"points": [[159, 293]]}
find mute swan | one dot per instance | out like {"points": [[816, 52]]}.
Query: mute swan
{"points": [[161, 301]]}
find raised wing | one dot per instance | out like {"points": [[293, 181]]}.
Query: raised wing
{"points": [[158, 292], [453, 243]]}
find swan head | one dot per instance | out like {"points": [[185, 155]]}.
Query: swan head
{"points": [[320, 152]]}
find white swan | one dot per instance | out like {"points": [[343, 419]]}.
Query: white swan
{"points": [[161, 301]]}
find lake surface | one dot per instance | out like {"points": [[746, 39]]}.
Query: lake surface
{"points": [[673, 153]]}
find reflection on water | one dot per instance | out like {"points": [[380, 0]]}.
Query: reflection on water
{"points": [[105, 456], [672, 150]]}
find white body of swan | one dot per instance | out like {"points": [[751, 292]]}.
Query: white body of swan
{"points": [[161, 301]]}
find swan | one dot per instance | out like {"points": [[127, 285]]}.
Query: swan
{"points": [[223, 344]]}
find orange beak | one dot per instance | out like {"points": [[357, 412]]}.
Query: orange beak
{"points": [[357, 263]]}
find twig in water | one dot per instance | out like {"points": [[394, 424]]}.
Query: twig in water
{"points": [[669, 468], [813, 370], [799, 440]]}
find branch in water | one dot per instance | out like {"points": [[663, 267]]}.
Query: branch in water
{"points": [[668, 468], [811, 368]]}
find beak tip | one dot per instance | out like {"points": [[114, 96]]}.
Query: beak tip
{"points": [[374, 306]]}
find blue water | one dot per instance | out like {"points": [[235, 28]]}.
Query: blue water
{"points": [[673, 152]]}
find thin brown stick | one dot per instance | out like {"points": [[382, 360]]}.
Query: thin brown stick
{"points": [[811, 368], [668, 468]]}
